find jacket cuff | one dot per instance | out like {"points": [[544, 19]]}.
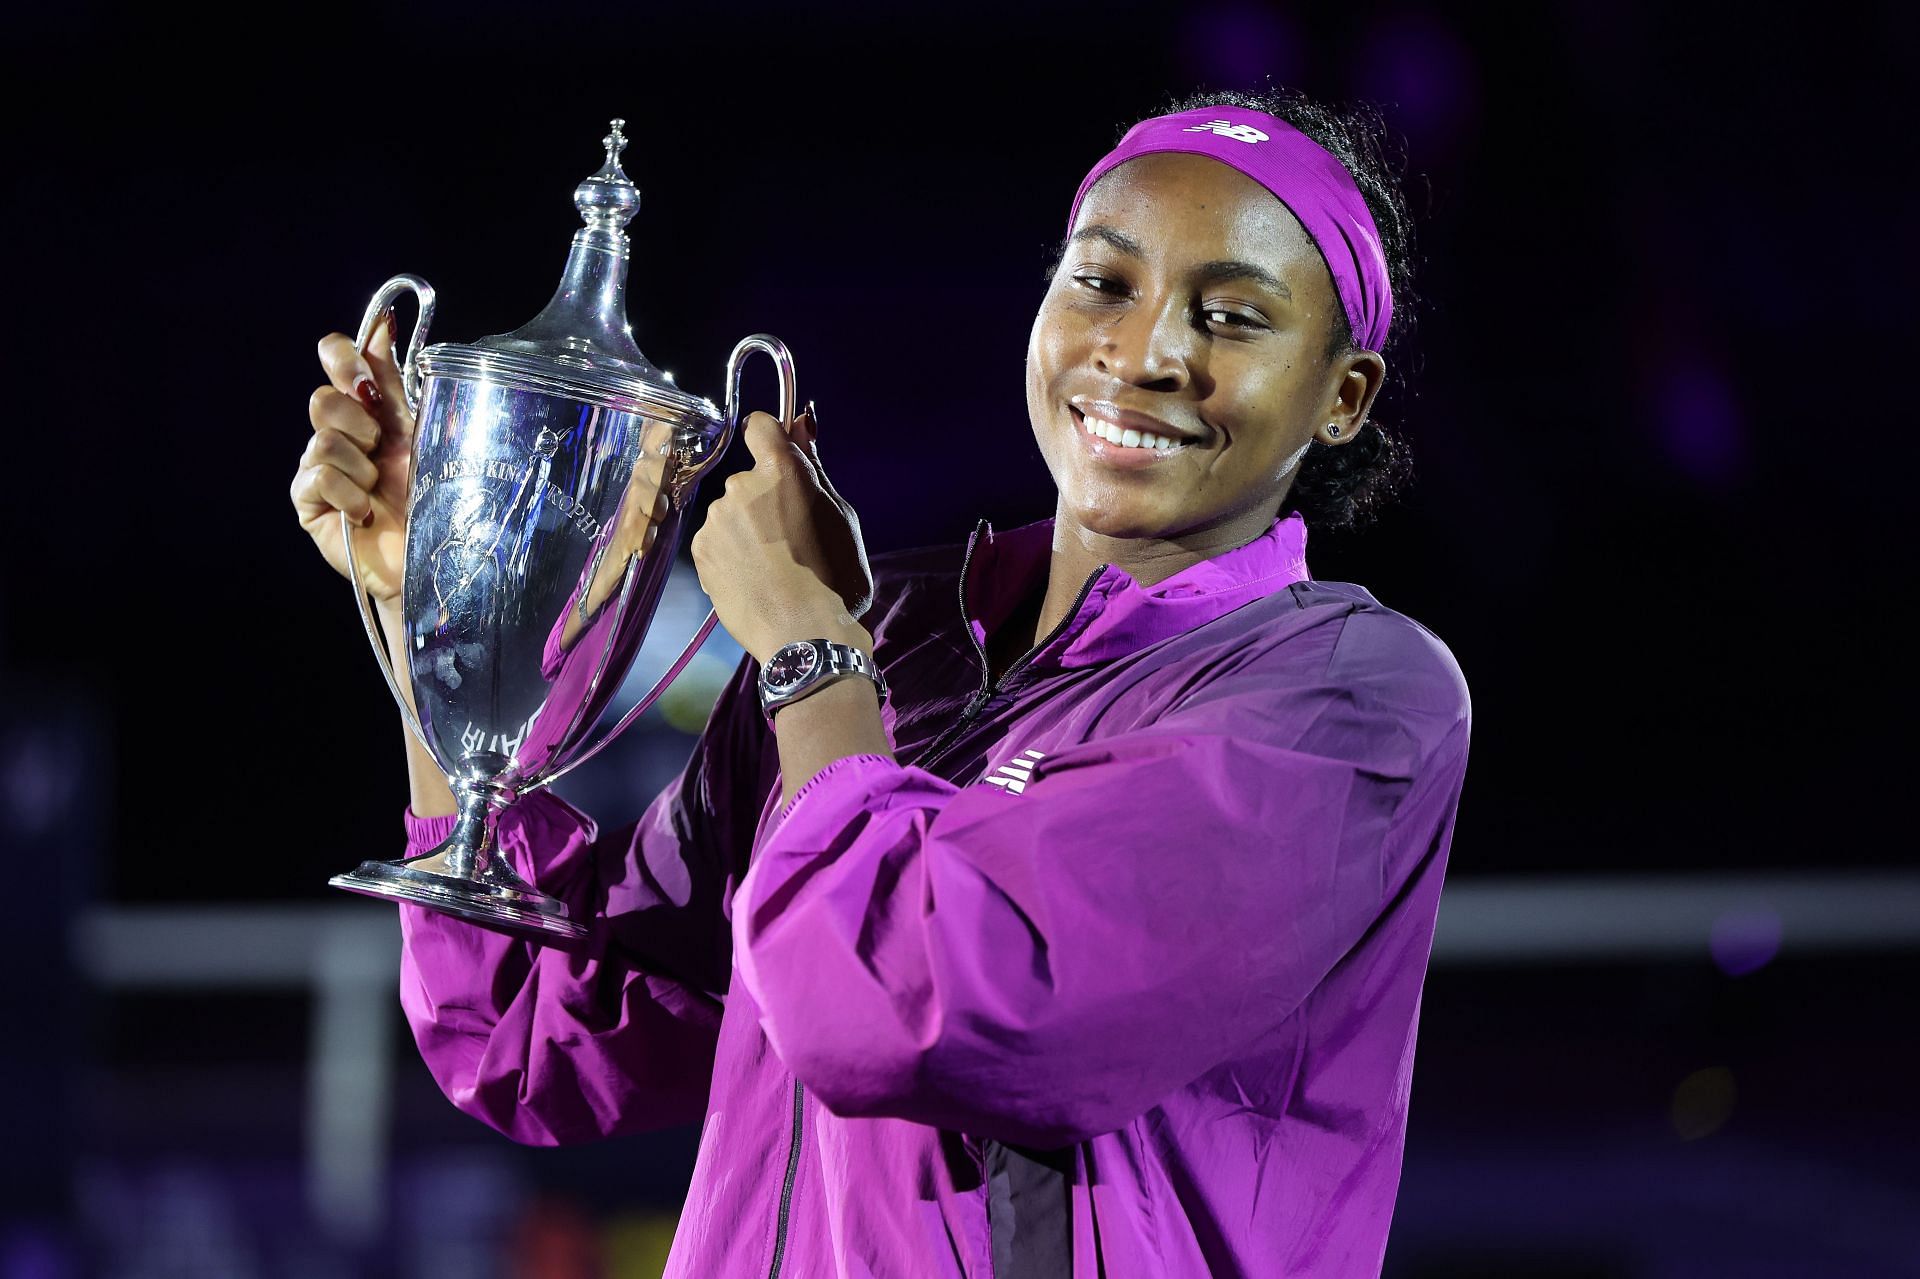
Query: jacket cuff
{"points": [[843, 764], [424, 834]]}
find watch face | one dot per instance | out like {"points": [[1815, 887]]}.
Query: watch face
{"points": [[790, 665]]}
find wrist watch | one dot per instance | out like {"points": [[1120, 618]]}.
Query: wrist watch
{"points": [[806, 666]]}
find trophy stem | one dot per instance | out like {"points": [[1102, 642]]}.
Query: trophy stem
{"points": [[472, 841], [466, 876]]}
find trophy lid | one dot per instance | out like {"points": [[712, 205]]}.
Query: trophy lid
{"points": [[581, 345]]}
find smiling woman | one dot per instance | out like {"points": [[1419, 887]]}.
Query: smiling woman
{"points": [[1339, 477], [1101, 954]]}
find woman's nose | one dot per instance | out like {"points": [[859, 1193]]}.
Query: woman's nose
{"points": [[1147, 345]]}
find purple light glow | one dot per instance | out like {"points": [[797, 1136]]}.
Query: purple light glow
{"points": [[1424, 77], [1240, 46], [1702, 431], [39, 778], [32, 1254], [1744, 941]]}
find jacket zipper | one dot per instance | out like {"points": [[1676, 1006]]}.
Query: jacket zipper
{"points": [[944, 743], [786, 1189], [941, 744]]}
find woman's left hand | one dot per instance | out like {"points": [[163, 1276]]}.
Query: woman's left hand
{"points": [[766, 542]]}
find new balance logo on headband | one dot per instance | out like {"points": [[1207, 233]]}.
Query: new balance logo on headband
{"points": [[1238, 132], [1014, 775]]}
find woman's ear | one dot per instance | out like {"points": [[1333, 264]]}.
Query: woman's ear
{"points": [[1364, 374]]}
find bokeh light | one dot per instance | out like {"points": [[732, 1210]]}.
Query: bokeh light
{"points": [[1240, 45], [1702, 1103], [688, 701], [1701, 432], [1745, 940], [1424, 76]]}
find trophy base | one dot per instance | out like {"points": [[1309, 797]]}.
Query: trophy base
{"points": [[423, 881]]}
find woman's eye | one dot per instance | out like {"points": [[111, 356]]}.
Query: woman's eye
{"points": [[1098, 282], [1233, 319]]}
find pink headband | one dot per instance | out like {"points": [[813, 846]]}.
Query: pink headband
{"points": [[1302, 175]]}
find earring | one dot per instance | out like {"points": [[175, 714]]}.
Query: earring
{"points": [[1333, 429]]}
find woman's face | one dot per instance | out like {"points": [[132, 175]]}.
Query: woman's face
{"points": [[1190, 303]]}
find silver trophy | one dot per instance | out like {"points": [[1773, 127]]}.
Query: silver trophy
{"points": [[551, 467]]}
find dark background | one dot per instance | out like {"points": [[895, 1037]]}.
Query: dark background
{"points": [[1654, 395]]}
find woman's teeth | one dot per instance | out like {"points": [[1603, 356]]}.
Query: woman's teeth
{"points": [[1129, 438]]}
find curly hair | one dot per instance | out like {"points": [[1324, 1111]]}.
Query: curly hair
{"points": [[1341, 486]]}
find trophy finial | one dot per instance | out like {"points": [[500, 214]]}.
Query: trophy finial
{"points": [[584, 324], [608, 200]]}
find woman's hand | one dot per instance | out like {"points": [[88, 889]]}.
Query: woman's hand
{"points": [[780, 554], [839, 553], [357, 460]]}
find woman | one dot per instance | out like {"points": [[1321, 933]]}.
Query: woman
{"points": [[1094, 945]]}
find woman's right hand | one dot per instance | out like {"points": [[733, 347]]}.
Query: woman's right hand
{"points": [[357, 460]]}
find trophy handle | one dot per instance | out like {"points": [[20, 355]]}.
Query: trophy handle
{"points": [[782, 358], [408, 364], [775, 349], [639, 707], [410, 385], [373, 636]]}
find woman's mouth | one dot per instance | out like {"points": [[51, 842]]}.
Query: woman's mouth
{"points": [[1122, 447]]}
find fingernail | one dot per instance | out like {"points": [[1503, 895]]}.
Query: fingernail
{"points": [[369, 519], [366, 392]]}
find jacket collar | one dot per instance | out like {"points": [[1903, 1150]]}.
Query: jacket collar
{"points": [[1116, 615]]}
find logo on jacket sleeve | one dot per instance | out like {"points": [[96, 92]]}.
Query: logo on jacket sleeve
{"points": [[1014, 775]]}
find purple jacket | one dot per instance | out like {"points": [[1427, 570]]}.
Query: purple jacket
{"points": [[1115, 972]]}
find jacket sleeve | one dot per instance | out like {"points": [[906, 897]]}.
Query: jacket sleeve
{"points": [[1043, 966], [616, 1035]]}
